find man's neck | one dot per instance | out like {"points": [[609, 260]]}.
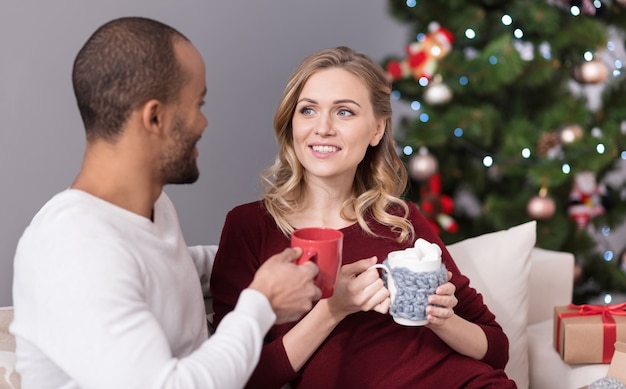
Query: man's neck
{"points": [[108, 174]]}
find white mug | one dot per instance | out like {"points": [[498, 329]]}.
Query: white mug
{"points": [[412, 275]]}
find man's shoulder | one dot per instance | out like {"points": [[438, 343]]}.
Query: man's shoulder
{"points": [[68, 205]]}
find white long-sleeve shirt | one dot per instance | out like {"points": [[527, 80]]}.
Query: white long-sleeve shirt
{"points": [[105, 298]]}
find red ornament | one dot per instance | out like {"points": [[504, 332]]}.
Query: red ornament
{"points": [[586, 199], [422, 56], [436, 207]]}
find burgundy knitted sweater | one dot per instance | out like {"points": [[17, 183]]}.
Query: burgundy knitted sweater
{"points": [[367, 349]]}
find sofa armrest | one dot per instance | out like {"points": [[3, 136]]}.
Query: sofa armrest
{"points": [[551, 283]]}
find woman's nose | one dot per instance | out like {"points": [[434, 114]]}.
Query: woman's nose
{"points": [[324, 127]]}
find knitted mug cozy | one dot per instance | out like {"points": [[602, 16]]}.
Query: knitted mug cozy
{"points": [[413, 289]]}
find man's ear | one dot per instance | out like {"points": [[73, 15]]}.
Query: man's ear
{"points": [[153, 115]]}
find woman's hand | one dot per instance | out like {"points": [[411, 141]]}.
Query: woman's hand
{"points": [[441, 304], [465, 337], [359, 289]]}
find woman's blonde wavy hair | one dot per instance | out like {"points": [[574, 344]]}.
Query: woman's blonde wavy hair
{"points": [[381, 177]]}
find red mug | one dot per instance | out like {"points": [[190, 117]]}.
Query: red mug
{"points": [[323, 246]]}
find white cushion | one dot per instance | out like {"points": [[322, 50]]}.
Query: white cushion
{"points": [[547, 369], [9, 378], [498, 267], [546, 291]]}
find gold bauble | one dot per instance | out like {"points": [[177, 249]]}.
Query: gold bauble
{"points": [[423, 165], [541, 207], [591, 72]]}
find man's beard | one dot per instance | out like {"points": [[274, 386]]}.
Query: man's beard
{"points": [[179, 164]]}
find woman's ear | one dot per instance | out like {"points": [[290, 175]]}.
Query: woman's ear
{"points": [[381, 125]]}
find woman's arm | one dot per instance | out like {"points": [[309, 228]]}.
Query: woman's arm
{"points": [[357, 290], [463, 321], [461, 335]]}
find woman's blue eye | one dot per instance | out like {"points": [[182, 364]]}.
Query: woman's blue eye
{"points": [[306, 111], [345, 112]]}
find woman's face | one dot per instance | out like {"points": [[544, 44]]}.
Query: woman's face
{"points": [[333, 124]]}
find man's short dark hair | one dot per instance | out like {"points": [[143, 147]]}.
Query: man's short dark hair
{"points": [[125, 63]]}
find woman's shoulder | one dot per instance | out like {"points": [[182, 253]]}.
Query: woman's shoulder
{"points": [[398, 208], [248, 209], [254, 211]]}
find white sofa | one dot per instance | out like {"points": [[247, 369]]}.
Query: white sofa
{"points": [[551, 281], [519, 282]]}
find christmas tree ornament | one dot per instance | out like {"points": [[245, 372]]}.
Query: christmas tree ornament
{"points": [[591, 72], [437, 92], [570, 133], [526, 50], [422, 56], [578, 272], [542, 206], [596, 132], [549, 145], [436, 207], [586, 199], [423, 165]]}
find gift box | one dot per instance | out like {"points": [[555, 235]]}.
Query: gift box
{"points": [[587, 333]]}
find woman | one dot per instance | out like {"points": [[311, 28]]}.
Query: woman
{"points": [[337, 167]]}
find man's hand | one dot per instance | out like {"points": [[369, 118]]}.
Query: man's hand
{"points": [[288, 287]]}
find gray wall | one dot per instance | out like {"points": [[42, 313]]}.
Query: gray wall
{"points": [[250, 49]]}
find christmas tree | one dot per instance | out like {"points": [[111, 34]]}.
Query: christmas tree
{"points": [[506, 129]]}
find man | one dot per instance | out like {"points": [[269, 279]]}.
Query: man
{"points": [[106, 292]]}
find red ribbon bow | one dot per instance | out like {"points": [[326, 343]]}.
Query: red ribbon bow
{"points": [[608, 323]]}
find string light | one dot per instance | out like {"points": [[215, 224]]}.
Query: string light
{"points": [[506, 20], [566, 168], [600, 148], [407, 150]]}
